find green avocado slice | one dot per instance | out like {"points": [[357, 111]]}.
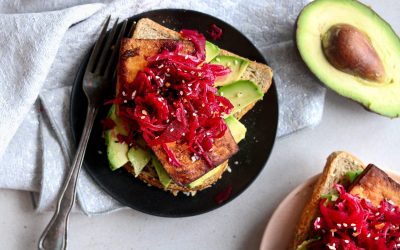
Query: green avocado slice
{"points": [[235, 64], [313, 23], [116, 151], [241, 93], [238, 130], [138, 158], [212, 51], [162, 174]]}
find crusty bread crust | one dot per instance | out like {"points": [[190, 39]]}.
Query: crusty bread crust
{"points": [[337, 165]]}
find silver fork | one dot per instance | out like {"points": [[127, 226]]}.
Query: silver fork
{"points": [[99, 72]]}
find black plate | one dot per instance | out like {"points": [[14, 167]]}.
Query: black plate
{"points": [[261, 123]]}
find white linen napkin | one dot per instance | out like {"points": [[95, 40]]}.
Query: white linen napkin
{"points": [[41, 58]]}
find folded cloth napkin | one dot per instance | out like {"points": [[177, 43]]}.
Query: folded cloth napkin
{"points": [[40, 54]]}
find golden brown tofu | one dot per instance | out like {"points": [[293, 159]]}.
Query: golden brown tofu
{"points": [[133, 54], [194, 167], [375, 185]]}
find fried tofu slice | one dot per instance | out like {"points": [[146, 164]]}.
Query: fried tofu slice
{"points": [[192, 167], [133, 54], [375, 185]]}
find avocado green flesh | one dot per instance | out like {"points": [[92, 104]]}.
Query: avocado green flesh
{"points": [[212, 51], [162, 174], [138, 158], [315, 20], [303, 246], [116, 151], [238, 130], [205, 177], [235, 64], [241, 93]]}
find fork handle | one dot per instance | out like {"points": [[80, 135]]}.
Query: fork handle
{"points": [[54, 237]]}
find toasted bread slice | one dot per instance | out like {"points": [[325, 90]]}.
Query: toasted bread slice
{"points": [[259, 73], [375, 185], [336, 167], [133, 54]]}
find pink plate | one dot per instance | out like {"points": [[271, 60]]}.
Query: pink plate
{"points": [[280, 229]]}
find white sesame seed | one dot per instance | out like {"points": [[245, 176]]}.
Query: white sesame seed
{"points": [[353, 224], [183, 81], [133, 94], [189, 84], [149, 78], [398, 245], [345, 224], [157, 77], [157, 58], [192, 72], [171, 130], [183, 134], [161, 65], [355, 228], [123, 93], [142, 117], [99, 152], [167, 75], [377, 214], [125, 101], [194, 114], [181, 92], [229, 169], [318, 227], [346, 241], [376, 238], [236, 162], [186, 57], [392, 210], [339, 225], [368, 235], [167, 121], [391, 202], [169, 159]]}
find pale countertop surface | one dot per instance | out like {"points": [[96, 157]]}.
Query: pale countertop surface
{"points": [[239, 224]]}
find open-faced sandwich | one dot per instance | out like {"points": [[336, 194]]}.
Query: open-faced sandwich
{"points": [[353, 206], [175, 116]]}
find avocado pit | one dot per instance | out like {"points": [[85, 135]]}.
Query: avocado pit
{"points": [[349, 50]]}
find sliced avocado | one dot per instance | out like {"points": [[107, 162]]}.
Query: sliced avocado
{"points": [[235, 64], [212, 51], [162, 174], [237, 128], [366, 66], [116, 151], [241, 93], [305, 244], [202, 179], [138, 158]]}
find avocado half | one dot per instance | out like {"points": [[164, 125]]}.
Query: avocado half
{"points": [[317, 18]]}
